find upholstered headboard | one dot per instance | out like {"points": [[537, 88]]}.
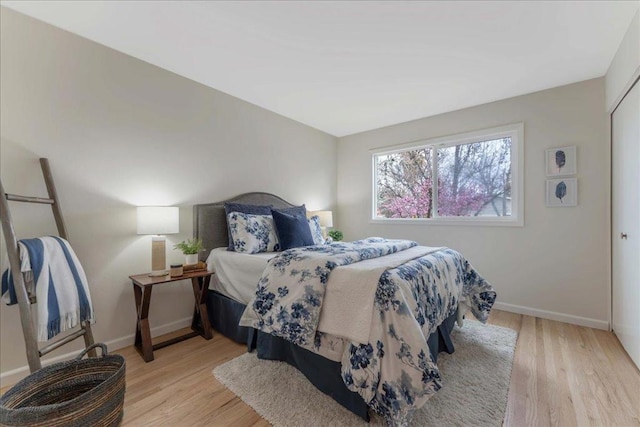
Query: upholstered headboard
{"points": [[210, 222]]}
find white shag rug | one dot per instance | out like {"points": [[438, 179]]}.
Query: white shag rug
{"points": [[474, 392]]}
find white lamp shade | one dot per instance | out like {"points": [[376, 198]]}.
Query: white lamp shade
{"points": [[158, 220], [326, 218]]}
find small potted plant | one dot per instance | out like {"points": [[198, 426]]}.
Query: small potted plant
{"points": [[336, 235], [190, 248]]}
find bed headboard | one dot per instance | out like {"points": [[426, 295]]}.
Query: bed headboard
{"points": [[210, 222]]}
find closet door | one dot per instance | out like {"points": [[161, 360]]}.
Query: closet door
{"points": [[625, 128]]}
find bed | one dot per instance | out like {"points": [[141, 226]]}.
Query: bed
{"points": [[388, 363]]}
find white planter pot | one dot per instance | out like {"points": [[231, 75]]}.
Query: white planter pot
{"points": [[191, 259]]}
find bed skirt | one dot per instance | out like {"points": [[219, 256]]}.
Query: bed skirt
{"points": [[224, 315], [324, 374]]}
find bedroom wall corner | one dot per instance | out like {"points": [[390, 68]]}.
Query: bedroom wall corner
{"points": [[119, 133], [557, 263], [625, 66]]}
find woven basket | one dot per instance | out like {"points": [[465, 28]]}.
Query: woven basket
{"points": [[79, 392]]}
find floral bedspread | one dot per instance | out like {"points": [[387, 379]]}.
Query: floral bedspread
{"points": [[290, 292], [393, 372]]}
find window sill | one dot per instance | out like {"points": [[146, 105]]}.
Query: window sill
{"points": [[511, 222]]}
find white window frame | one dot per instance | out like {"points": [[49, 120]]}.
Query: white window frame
{"points": [[515, 131]]}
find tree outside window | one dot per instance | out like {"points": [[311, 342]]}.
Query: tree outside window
{"points": [[474, 180]]}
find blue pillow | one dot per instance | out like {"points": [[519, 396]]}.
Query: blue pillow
{"points": [[246, 209], [293, 210], [293, 230]]}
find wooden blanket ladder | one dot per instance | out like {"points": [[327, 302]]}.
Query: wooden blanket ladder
{"points": [[34, 353]]}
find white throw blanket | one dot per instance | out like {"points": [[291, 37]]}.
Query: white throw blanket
{"points": [[61, 287], [349, 299]]}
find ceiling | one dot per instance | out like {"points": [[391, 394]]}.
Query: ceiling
{"points": [[351, 66]]}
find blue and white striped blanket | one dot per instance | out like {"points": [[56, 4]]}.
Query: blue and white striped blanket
{"points": [[61, 287]]}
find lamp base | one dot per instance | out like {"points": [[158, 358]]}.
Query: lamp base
{"points": [[158, 273], [158, 260]]}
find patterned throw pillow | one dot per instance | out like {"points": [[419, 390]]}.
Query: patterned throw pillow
{"points": [[316, 230], [248, 209], [252, 233]]}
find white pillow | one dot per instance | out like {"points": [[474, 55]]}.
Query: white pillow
{"points": [[252, 233], [316, 230]]}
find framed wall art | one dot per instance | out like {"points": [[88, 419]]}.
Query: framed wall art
{"points": [[561, 161], [562, 192]]}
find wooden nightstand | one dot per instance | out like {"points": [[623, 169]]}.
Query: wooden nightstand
{"points": [[142, 286]]}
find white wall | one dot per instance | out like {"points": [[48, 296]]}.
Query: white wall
{"points": [[119, 133], [557, 265], [625, 66]]}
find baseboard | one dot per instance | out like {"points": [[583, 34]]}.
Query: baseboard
{"points": [[15, 375], [552, 315]]}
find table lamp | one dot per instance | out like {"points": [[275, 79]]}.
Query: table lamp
{"points": [[326, 220], [158, 220]]}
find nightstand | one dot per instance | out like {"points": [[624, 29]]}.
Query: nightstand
{"points": [[143, 285]]}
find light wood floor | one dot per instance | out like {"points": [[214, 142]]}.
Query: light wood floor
{"points": [[563, 375]]}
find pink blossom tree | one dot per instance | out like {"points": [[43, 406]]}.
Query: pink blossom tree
{"points": [[470, 178]]}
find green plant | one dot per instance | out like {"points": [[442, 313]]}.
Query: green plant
{"points": [[336, 235], [190, 247]]}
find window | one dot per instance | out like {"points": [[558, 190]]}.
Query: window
{"points": [[478, 178]]}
